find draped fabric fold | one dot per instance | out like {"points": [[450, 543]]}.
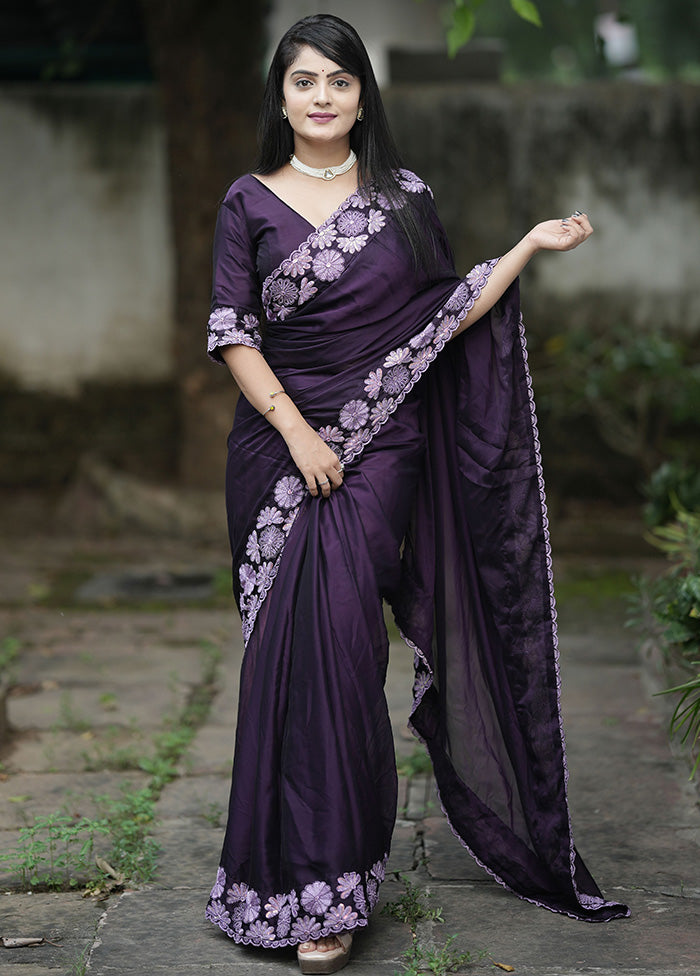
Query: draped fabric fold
{"points": [[441, 513]]}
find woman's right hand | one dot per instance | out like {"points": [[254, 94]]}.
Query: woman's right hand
{"points": [[319, 465]]}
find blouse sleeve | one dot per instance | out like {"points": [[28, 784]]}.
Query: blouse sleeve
{"points": [[235, 304]]}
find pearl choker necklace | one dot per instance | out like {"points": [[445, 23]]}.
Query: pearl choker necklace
{"points": [[329, 173]]}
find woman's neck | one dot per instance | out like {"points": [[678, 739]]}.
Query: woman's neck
{"points": [[321, 156]]}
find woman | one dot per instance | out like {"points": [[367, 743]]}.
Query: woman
{"points": [[384, 447]]}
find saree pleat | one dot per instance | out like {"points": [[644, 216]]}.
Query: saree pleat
{"points": [[442, 513]]}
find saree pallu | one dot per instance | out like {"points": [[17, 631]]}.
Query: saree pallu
{"points": [[441, 513]]}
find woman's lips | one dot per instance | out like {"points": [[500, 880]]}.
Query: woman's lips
{"points": [[322, 117]]}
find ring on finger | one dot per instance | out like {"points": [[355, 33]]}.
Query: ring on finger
{"points": [[324, 482]]}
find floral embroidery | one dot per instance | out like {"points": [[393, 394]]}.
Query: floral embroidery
{"points": [[328, 265], [354, 414], [396, 379], [351, 222], [271, 541], [232, 327], [328, 906], [289, 492], [297, 264], [351, 245], [396, 357], [307, 290], [376, 221], [269, 516]]}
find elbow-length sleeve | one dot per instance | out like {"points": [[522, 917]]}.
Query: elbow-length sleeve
{"points": [[235, 317]]}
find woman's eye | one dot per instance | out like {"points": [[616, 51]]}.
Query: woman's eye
{"points": [[303, 83], [342, 83]]}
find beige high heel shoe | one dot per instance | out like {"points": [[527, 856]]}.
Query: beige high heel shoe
{"points": [[317, 963]]}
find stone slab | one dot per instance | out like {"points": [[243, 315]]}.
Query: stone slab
{"points": [[72, 752], [39, 794], [64, 918]]}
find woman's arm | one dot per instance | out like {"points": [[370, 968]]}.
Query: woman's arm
{"points": [[552, 235], [317, 463]]}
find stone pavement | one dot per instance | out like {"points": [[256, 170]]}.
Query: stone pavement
{"points": [[92, 680]]}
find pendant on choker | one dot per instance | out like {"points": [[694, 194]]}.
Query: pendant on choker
{"points": [[323, 173]]}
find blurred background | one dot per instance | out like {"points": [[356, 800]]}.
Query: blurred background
{"points": [[122, 123]]}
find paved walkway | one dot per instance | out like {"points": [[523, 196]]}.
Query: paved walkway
{"points": [[92, 681]]}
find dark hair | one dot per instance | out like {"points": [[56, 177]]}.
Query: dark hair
{"points": [[378, 158]]}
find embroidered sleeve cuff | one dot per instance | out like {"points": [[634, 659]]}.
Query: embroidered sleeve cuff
{"points": [[232, 327]]}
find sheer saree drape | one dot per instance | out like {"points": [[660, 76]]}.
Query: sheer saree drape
{"points": [[442, 513]]}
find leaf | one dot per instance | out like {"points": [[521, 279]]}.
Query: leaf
{"points": [[502, 965], [527, 10], [22, 943], [462, 28]]}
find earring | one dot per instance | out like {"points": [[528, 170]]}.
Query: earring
{"points": [[284, 112], [360, 114]]}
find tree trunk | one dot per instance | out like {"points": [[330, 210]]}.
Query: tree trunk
{"points": [[207, 57]]}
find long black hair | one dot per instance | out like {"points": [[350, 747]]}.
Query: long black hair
{"points": [[378, 158]]}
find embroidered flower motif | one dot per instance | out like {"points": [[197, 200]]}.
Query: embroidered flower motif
{"points": [[251, 606], [354, 414], [223, 318], [284, 921], [396, 379], [373, 383], [479, 275], [237, 920], [445, 328], [269, 516], [307, 290], [347, 883], [296, 264], [275, 905], [372, 892], [246, 575], [252, 549], [219, 885], [251, 321], [265, 576], [289, 521], [225, 328], [316, 897], [306, 928], [236, 892], [260, 932], [376, 221], [283, 292], [288, 492], [351, 222], [356, 441], [358, 896], [421, 360], [328, 265], [340, 917], [324, 237], [331, 435], [293, 903], [216, 913], [397, 356], [381, 411], [384, 202], [458, 298], [410, 182], [251, 906], [351, 245], [378, 870], [271, 541], [421, 684], [423, 338]]}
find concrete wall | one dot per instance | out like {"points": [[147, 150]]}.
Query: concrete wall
{"points": [[85, 251], [500, 159]]}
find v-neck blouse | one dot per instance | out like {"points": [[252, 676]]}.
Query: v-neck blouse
{"points": [[256, 230]]}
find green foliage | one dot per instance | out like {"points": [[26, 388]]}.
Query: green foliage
{"points": [[55, 851], [9, 654], [438, 960], [129, 819], [673, 600], [674, 484], [413, 906], [638, 388], [462, 16], [417, 764]]}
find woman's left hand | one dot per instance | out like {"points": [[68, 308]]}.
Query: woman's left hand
{"points": [[560, 235]]}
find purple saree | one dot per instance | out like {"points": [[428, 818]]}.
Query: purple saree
{"points": [[441, 513]]}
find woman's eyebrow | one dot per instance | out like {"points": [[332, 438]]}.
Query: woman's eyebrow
{"points": [[314, 74]]}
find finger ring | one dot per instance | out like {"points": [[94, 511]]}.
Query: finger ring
{"points": [[341, 466], [324, 482]]}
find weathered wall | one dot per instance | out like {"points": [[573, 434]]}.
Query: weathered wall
{"points": [[501, 158], [86, 263], [85, 253]]}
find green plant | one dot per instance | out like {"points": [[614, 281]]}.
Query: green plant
{"points": [[685, 720], [416, 764], [413, 906], [70, 719], [9, 653], [438, 960], [55, 851], [129, 819], [674, 484]]}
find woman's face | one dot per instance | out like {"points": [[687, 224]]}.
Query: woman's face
{"points": [[321, 98]]}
